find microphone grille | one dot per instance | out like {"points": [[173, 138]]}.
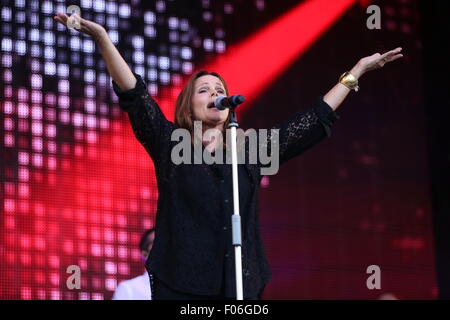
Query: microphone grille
{"points": [[238, 99]]}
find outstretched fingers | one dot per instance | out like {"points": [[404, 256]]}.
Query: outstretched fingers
{"points": [[65, 19], [395, 57], [61, 18], [392, 55]]}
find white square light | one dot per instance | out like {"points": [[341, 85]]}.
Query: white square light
{"points": [[124, 10]]}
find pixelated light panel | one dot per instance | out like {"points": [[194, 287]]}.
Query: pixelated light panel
{"points": [[76, 187]]}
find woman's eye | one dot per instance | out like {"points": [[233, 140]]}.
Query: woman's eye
{"points": [[221, 91]]}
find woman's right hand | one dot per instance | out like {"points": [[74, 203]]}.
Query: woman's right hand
{"points": [[93, 29], [116, 65]]}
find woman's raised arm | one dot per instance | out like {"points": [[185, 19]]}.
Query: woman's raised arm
{"points": [[150, 126], [116, 65], [339, 92]]}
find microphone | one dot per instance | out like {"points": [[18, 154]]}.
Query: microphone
{"points": [[222, 103]]}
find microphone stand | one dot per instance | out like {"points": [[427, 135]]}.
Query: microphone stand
{"points": [[236, 217]]}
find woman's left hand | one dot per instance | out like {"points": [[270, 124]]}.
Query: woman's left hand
{"points": [[376, 61]]}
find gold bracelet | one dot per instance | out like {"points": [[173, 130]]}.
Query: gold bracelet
{"points": [[350, 81]]}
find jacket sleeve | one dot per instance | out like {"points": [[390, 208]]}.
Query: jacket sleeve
{"points": [[149, 124], [303, 130]]}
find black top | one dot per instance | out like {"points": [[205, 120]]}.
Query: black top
{"points": [[192, 243]]}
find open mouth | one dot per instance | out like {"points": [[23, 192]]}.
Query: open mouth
{"points": [[212, 106]]}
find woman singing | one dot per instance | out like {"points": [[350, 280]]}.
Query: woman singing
{"points": [[192, 256]]}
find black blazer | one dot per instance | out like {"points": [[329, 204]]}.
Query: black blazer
{"points": [[192, 220]]}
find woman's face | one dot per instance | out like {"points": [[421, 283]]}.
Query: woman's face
{"points": [[207, 89]]}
